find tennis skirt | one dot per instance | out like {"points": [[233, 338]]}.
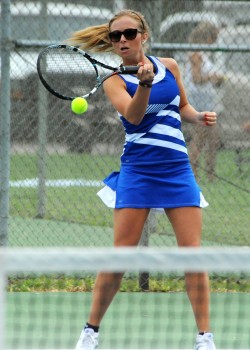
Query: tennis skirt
{"points": [[170, 185]]}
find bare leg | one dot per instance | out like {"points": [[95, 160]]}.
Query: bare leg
{"points": [[197, 285], [128, 226], [187, 224]]}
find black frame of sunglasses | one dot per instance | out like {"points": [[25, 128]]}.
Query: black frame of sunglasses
{"points": [[129, 33]]}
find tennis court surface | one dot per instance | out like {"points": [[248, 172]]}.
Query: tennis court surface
{"points": [[144, 319], [135, 320]]}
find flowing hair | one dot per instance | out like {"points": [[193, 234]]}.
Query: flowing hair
{"points": [[96, 38]]}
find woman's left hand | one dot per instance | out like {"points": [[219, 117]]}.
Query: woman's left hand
{"points": [[207, 118]]}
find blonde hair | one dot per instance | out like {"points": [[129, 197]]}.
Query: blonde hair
{"points": [[203, 32], [96, 38]]}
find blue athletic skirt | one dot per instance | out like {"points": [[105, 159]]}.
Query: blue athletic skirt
{"points": [[159, 186]]}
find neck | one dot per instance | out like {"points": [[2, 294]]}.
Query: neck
{"points": [[134, 61]]}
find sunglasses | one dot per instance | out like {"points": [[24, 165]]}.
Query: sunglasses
{"points": [[130, 34]]}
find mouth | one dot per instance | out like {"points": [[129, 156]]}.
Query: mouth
{"points": [[124, 48]]}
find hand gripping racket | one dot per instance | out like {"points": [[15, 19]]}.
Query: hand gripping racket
{"points": [[68, 72]]}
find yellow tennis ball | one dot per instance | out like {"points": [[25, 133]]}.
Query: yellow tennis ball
{"points": [[79, 105]]}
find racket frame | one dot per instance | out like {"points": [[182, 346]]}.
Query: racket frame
{"points": [[99, 81]]}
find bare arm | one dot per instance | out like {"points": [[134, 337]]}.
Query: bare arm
{"points": [[132, 108], [188, 113]]}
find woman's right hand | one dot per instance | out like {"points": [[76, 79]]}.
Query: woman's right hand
{"points": [[145, 72]]}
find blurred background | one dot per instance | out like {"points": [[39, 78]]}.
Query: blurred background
{"points": [[57, 160]]}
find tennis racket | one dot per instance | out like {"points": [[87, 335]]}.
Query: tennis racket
{"points": [[68, 72]]}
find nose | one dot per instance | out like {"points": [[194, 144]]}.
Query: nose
{"points": [[123, 38]]}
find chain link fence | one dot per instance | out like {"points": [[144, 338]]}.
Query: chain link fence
{"points": [[58, 160]]}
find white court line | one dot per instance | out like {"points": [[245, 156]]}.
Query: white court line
{"points": [[33, 183]]}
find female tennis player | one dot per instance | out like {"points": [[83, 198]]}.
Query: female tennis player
{"points": [[155, 171]]}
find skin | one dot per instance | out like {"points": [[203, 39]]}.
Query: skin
{"points": [[129, 222]]}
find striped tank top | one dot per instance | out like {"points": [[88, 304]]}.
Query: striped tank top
{"points": [[158, 138]]}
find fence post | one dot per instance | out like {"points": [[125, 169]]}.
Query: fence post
{"points": [[3, 284], [5, 122], [42, 125]]}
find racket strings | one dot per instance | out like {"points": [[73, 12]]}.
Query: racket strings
{"points": [[67, 72]]}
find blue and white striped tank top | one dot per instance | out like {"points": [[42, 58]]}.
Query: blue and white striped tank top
{"points": [[158, 138]]}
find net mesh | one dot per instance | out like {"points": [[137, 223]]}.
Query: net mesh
{"points": [[49, 295]]}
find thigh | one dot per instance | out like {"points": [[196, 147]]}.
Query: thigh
{"points": [[187, 225], [128, 226]]}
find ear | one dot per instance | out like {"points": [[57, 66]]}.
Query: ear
{"points": [[144, 38]]}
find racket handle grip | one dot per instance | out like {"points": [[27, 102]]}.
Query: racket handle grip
{"points": [[131, 69]]}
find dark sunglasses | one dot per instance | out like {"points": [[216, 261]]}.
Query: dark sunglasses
{"points": [[130, 34]]}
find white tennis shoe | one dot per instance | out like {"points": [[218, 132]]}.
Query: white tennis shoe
{"points": [[205, 342], [88, 340]]}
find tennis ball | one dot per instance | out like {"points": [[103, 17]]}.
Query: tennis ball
{"points": [[79, 105]]}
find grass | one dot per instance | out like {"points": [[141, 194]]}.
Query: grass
{"points": [[157, 283], [225, 221], [75, 216], [66, 166]]}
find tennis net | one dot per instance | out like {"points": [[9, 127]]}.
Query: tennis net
{"points": [[45, 297]]}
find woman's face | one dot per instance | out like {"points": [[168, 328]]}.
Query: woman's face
{"points": [[125, 48]]}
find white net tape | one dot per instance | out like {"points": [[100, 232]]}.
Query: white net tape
{"points": [[120, 259]]}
